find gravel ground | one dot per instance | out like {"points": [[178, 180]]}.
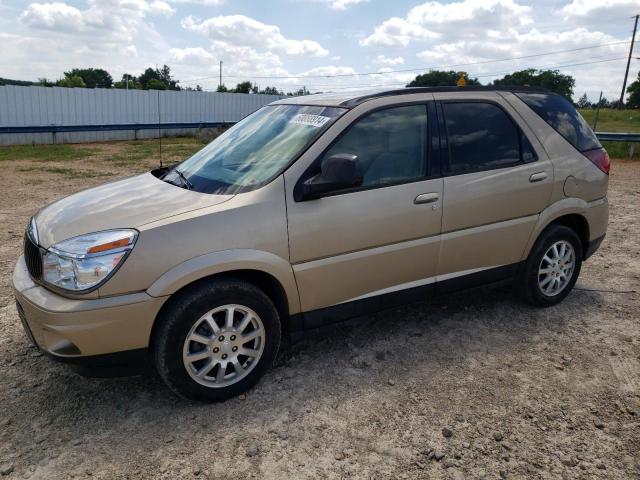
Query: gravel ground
{"points": [[476, 385]]}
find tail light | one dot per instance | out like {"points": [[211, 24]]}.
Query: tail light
{"points": [[600, 158]]}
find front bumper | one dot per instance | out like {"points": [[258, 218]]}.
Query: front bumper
{"points": [[83, 329]]}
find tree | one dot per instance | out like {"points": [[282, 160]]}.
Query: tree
{"points": [[155, 84], [634, 93], [92, 77], [271, 91], [161, 76], [299, 92], [71, 81], [45, 82], [128, 81], [222, 88], [441, 78], [583, 101], [243, 87], [550, 79]]}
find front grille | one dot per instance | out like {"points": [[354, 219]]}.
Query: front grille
{"points": [[32, 258]]}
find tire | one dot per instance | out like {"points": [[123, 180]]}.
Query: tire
{"points": [[542, 289], [194, 314]]}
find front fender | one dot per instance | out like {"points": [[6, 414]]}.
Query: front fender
{"points": [[227, 261]]}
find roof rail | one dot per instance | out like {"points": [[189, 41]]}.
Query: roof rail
{"points": [[469, 88]]}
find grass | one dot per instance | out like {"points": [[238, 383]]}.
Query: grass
{"points": [[45, 153], [614, 120], [146, 150], [609, 120]]}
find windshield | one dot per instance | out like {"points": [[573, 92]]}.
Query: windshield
{"points": [[254, 150]]}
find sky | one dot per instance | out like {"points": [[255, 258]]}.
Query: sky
{"points": [[325, 45]]}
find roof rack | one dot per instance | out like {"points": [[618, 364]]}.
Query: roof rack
{"points": [[469, 88]]}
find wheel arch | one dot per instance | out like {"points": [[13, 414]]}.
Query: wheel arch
{"points": [[270, 273], [260, 279], [570, 213]]}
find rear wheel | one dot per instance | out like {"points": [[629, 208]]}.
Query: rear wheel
{"points": [[215, 341], [552, 268]]}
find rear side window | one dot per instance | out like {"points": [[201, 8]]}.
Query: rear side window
{"points": [[562, 117], [482, 137]]}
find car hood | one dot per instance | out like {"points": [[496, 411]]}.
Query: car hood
{"points": [[126, 203]]}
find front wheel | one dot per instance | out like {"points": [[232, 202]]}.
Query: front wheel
{"points": [[215, 341], [552, 268]]}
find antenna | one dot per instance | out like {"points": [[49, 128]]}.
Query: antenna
{"points": [[159, 131]]}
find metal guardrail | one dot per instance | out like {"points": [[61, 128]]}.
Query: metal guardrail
{"points": [[618, 137], [110, 127]]}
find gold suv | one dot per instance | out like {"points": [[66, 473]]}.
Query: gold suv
{"points": [[312, 210]]}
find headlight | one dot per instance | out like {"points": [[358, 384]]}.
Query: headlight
{"points": [[85, 262]]}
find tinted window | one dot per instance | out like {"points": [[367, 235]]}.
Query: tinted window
{"points": [[481, 136], [560, 114], [391, 145]]}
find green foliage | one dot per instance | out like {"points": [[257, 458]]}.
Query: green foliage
{"points": [[610, 120], [441, 78], [222, 88], [128, 81], [634, 93], [92, 77], [22, 83], [271, 91], [155, 84], [550, 79], [299, 92], [583, 101], [155, 78], [243, 87], [48, 153], [71, 81]]}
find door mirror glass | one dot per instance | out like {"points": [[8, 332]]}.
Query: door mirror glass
{"points": [[338, 172]]}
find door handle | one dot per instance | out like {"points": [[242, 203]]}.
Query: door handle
{"points": [[538, 177], [426, 198]]}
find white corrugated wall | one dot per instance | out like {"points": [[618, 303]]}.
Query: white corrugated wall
{"points": [[46, 106]]}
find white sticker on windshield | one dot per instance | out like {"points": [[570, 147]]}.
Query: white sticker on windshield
{"points": [[312, 120]]}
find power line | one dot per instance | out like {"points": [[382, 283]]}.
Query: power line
{"points": [[493, 74], [481, 62]]}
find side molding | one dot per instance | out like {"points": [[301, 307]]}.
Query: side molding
{"points": [[228, 261]]}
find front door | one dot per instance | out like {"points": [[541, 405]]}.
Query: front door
{"points": [[379, 238]]}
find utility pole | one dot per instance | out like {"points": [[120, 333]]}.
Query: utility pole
{"points": [[626, 73], [220, 82]]}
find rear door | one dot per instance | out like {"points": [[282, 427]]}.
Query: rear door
{"points": [[497, 179], [382, 237]]}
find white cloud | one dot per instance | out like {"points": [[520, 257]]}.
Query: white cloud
{"points": [[432, 19], [242, 30], [53, 16], [339, 4], [386, 61], [596, 11], [208, 3], [190, 55]]}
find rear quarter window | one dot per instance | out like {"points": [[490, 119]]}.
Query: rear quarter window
{"points": [[563, 118]]}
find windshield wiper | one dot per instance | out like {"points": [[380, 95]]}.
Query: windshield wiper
{"points": [[186, 182]]}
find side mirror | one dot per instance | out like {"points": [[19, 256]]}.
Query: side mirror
{"points": [[338, 172]]}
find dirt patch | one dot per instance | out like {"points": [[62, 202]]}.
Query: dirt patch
{"points": [[475, 385]]}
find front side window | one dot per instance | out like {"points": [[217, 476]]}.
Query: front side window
{"points": [[481, 137], [391, 145], [254, 150]]}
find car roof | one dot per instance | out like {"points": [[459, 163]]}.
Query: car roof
{"points": [[355, 97]]}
